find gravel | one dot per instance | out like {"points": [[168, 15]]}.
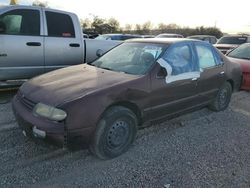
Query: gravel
{"points": [[199, 149]]}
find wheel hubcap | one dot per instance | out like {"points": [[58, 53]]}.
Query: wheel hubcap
{"points": [[223, 97], [118, 134]]}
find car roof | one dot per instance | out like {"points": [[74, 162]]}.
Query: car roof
{"points": [[236, 36], [169, 34], [7, 7], [118, 34], [161, 40], [202, 36]]}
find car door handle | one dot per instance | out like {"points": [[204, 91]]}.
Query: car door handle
{"points": [[74, 45], [3, 55], [33, 44], [194, 79]]}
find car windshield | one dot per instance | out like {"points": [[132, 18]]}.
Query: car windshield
{"points": [[197, 37], [131, 57], [242, 52], [232, 40]]}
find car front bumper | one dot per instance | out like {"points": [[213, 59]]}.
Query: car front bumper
{"points": [[246, 81], [38, 127]]}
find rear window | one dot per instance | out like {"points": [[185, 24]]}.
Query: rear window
{"points": [[232, 40], [59, 25]]}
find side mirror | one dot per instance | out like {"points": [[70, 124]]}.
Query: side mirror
{"points": [[99, 53], [162, 74], [2, 28]]}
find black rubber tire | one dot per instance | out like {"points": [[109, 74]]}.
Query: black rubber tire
{"points": [[222, 99], [115, 132]]}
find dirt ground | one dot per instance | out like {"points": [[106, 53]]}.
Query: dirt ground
{"points": [[199, 149]]}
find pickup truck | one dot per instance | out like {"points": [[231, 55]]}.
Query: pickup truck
{"points": [[35, 40]]}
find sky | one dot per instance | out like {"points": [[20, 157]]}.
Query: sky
{"points": [[227, 16]]}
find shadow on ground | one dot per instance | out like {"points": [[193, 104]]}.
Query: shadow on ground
{"points": [[7, 95]]}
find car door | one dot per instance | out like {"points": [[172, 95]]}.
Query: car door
{"points": [[170, 97], [63, 43], [212, 71], [21, 44]]}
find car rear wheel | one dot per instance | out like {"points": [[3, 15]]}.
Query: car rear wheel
{"points": [[223, 98], [115, 132]]}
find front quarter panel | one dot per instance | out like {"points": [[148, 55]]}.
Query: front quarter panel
{"points": [[86, 111]]}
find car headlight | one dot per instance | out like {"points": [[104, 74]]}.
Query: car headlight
{"points": [[49, 112]]}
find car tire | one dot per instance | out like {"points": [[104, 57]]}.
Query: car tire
{"points": [[115, 132], [222, 99]]}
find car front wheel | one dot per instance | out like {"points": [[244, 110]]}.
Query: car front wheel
{"points": [[115, 132], [222, 99]]}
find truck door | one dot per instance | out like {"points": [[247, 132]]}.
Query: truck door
{"points": [[21, 44], [63, 43]]}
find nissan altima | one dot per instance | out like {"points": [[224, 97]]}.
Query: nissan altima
{"points": [[102, 104]]}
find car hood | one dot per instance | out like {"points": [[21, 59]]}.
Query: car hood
{"points": [[245, 64], [66, 84]]}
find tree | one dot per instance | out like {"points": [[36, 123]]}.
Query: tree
{"points": [[146, 27], [173, 26], [13, 2], [162, 26], [40, 3], [86, 23], [114, 24], [137, 27], [128, 27], [97, 24]]}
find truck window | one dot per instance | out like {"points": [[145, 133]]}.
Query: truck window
{"points": [[21, 22], [59, 25]]}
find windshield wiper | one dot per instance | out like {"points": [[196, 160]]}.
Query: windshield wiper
{"points": [[106, 68], [247, 58]]}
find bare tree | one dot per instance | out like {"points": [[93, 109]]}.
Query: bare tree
{"points": [[114, 24], [162, 26], [128, 27], [86, 23], [147, 26]]}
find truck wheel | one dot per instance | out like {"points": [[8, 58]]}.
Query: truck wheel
{"points": [[115, 132], [222, 99]]}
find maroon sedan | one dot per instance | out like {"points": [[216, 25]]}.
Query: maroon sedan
{"points": [[241, 55], [102, 104]]}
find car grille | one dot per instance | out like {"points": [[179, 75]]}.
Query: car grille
{"points": [[25, 101]]}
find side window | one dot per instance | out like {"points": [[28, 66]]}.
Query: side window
{"points": [[21, 22], [207, 40], [213, 40], [59, 25], [205, 56], [180, 58]]}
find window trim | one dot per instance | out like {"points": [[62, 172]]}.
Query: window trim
{"points": [[40, 22], [217, 64], [191, 50], [46, 29]]}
